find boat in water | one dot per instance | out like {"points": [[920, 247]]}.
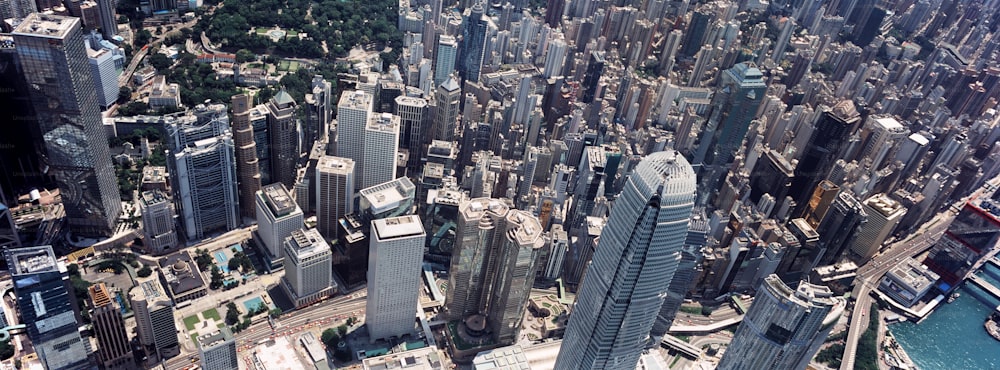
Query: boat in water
{"points": [[953, 297], [993, 324]]}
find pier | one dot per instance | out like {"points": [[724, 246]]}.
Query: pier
{"points": [[985, 285]]}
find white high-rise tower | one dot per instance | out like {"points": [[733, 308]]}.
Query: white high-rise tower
{"points": [[394, 259]]}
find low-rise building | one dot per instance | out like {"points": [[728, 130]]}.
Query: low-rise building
{"points": [[164, 94], [907, 282], [183, 279]]}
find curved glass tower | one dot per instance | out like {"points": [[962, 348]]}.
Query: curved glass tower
{"points": [[631, 270]]}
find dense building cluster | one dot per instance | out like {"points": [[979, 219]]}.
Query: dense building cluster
{"points": [[628, 155]]}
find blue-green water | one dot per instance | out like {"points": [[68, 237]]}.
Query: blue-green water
{"points": [[953, 336]]}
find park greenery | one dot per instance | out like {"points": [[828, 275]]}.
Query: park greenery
{"points": [[6, 350], [831, 355], [145, 271], [203, 259], [79, 288], [867, 356], [342, 24]]}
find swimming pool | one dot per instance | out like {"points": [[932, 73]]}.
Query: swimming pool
{"points": [[252, 303]]}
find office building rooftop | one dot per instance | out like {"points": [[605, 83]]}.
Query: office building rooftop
{"points": [[278, 200], [397, 227], [46, 25], [388, 195], [32, 260]]}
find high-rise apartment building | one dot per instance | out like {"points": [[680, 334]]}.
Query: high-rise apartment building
{"points": [[159, 235], [54, 62], [334, 193], [639, 251], [381, 149], [247, 163], [114, 350], [285, 131], [154, 319], [784, 328], [217, 350], [308, 270], [492, 268], [444, 59], [277, 217], [353, 112], [394, 263], [884, 214], [448, 98], [48, 308]]}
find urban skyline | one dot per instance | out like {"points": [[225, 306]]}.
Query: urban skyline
{"points": [[559, 184]]}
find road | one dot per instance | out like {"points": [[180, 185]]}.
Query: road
{"points": [[328, 313], [870, 273]]}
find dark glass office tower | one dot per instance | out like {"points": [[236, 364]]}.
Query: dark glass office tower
{"points": [[473, 48], [55, 65]]}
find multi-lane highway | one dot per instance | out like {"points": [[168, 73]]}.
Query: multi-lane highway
{"points": [[870, 273]]}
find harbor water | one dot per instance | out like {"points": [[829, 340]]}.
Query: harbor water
{"points": [[953, 337]]}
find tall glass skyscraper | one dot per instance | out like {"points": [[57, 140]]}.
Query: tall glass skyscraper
{"points": [[734, 105], [473, 47], [51, 51], [632, 267]]}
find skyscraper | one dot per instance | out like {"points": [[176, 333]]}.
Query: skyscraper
{"points": [[784, 328], [884, 214], [734, 105], [308, 272], [319, 112], [448, 97], [203, 171], [277, 217], [217, 350], [284, 128], [492, 268], [48, 307], [473, 47], [154, 319], [444, 59], [54, 62], [381, 149], [353, 111], [158, 231], [839, 227], [413, 117], [247, 163], [16, 8], [114, 351], [109, 21], [632, 267], [334, 193], [394, 259], [595, 69]]}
